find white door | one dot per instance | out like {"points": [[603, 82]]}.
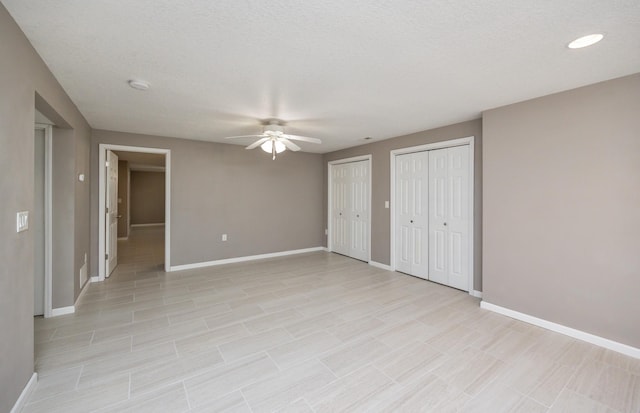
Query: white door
{"points": [[449, 218], [350, 209], [111, 211], [37, 222], [359, 209], [339, 211], [411, 214]]}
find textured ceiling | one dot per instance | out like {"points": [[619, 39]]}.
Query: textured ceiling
{"points": [[336, 70]]}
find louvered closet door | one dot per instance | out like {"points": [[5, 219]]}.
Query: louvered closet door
{"points": [[449, 216], [411, 214]]}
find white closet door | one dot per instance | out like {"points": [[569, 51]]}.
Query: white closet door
{"points": [[411, 210], [359, 209], [339, 213], [458, 223], [449, 216], [350, 212]]}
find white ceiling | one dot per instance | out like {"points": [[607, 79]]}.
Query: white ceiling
{"points": [[337, 70]]}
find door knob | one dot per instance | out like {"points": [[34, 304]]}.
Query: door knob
{"points": [[445, 224], [357, 216], [411, 221]]}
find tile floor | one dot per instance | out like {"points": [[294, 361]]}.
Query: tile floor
{"points": [[316, 332]]}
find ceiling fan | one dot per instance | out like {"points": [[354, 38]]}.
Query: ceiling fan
{"points": [[273, 139]]}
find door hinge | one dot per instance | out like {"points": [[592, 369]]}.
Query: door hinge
{"points": [[106, 164], [107, 210], [106, 256]]}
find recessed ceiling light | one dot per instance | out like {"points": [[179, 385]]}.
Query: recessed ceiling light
{"points": [[139, 84], [585, 41]]}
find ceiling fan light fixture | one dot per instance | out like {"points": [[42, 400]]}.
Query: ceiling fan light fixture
{"points": [[268, 146]]}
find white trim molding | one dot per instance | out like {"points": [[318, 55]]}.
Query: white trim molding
{"points": [[243, 259], [48, 216], [379, 265], [567, 331], [63, 311], [26, 392], [475, 293], [102, 150]]}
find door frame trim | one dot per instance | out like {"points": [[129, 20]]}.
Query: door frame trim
{"points": [[392, 195], [330, 165], [48, 217], [102, 151]]}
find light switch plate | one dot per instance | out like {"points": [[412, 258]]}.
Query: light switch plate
{"points": [[22, 221], [224, 237], [386, 204]]}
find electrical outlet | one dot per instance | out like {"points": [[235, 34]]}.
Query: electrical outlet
{"points": [[386, 204], [224, 237], [326, 232]]}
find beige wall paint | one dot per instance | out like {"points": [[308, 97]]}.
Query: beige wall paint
{"points": [[263, 205], [147, 197], [381, 187], [562, 208], [26, 82], [123, 198]]}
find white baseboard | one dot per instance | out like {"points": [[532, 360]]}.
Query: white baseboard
{"points": [[158, 224], [94, 279], [568, 331], [379, 265], [476, 293], [325, 249], [242, 259], [26, 392], [63, 311]]}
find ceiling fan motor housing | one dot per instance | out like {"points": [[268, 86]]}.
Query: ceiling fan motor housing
{"points": [[274, 127]]}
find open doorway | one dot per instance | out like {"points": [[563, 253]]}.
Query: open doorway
{"points": [[134, 207]]}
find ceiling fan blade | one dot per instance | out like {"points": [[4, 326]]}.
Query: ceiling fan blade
{"points": [[290, 145], [244, 136], [257, 143], [302, 138]]}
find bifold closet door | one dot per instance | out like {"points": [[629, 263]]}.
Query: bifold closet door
{"points": [[339, 209], [449, 218], [359, 210], [350, 209], [411, 210]]}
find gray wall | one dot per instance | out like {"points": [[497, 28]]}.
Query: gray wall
{"points": [[123, 198], [26, 82], [63, 207], [562, 208], [381, 187], [147, 197], [263, 205]]}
